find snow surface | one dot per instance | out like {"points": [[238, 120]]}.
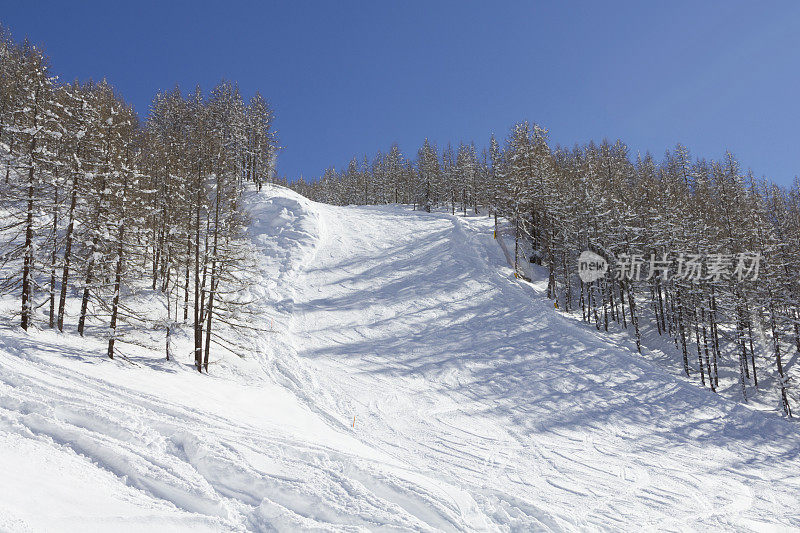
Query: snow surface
{"points": [[408, 382]]}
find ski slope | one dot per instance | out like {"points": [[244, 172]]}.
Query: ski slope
{"points": [[408, 382]]}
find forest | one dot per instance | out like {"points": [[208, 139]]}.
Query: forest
{"points": [[100, 208], [282, 266], [557, 202]]}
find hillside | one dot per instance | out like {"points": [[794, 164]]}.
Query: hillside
{"points": [[409, 381]]}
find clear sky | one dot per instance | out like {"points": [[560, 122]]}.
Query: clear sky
{"points": [[349, 78]]}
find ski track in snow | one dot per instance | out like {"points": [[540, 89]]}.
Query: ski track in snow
{"points": [[411, 383]]}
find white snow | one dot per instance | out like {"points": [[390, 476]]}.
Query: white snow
{"points": [[409, 382]]}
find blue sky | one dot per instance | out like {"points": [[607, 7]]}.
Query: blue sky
{"points": [[349, 78]]}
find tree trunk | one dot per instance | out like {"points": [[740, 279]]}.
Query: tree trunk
{"points": [[213, 284], [118, 270], [68, 251], [53, 257], [27, 269], [198, 325]]}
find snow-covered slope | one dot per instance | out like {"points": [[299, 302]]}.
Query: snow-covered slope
{"points": [[408, 382]]}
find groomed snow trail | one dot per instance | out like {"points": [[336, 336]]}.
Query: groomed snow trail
{"points": [[408, 382], [417, 328], [90, 444]]}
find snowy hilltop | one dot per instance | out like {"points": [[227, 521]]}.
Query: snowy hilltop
{"points": [[403, 379]]}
